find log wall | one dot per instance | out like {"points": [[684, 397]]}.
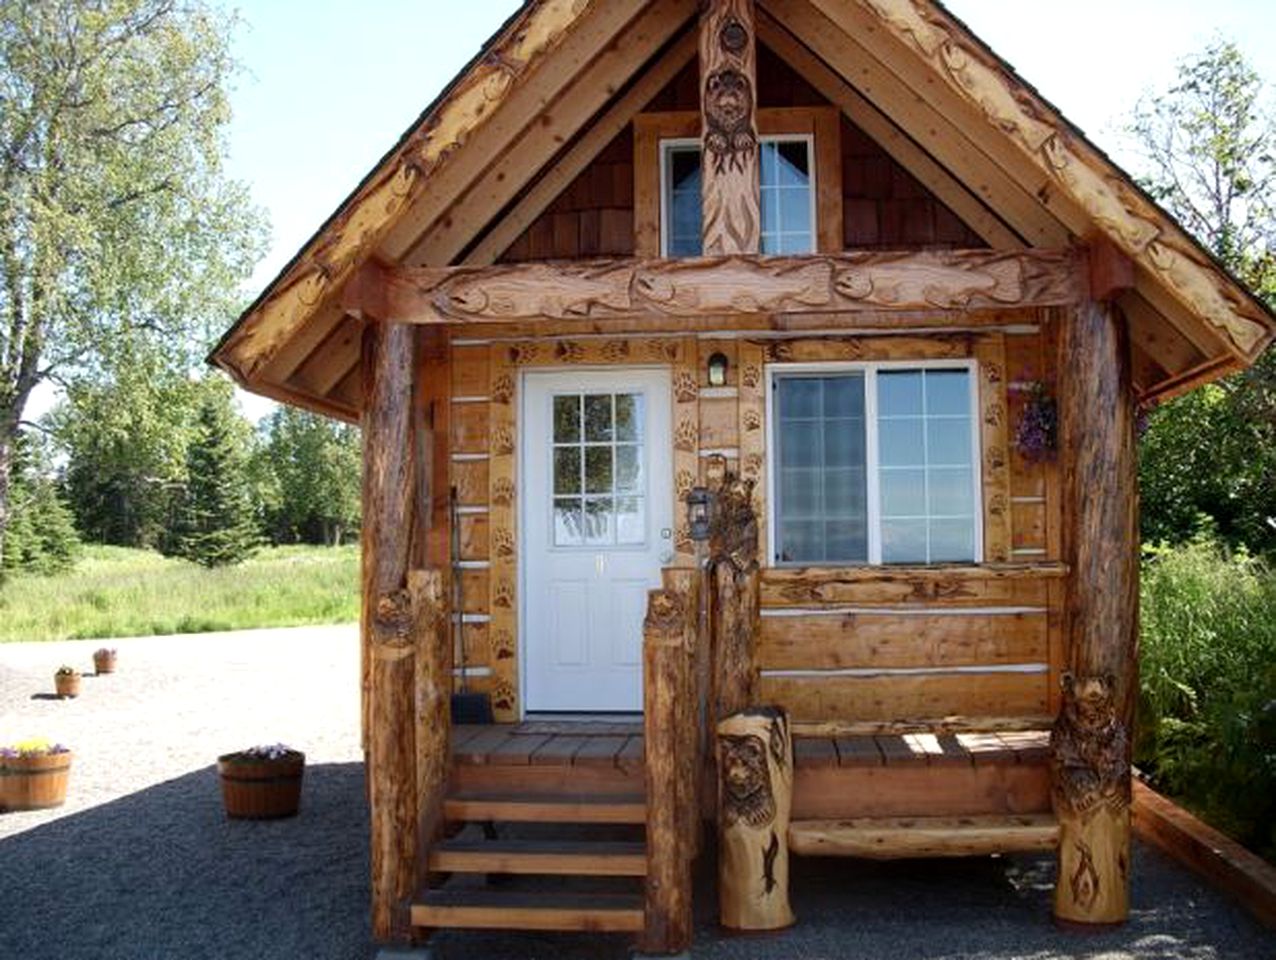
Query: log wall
{"points": [[835, 645]]}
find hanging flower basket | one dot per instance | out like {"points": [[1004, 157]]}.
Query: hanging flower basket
{"points": [[104, 660], [34, 776], [67, 682], [262, 783], [1037, 432]]}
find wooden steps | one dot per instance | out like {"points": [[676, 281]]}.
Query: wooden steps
{"points": [[616, 858], [481, 908], [560, 846], [538, 808], [902, 837]]}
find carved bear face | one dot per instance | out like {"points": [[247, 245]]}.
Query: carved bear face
{"points": [[1089, 701], [746, 780], [729, 100]]}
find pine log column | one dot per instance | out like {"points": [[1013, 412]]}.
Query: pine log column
{"points": [[1090, 743], [390, 623], [736, 615], [729, 191]]}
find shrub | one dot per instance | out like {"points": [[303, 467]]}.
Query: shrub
{"points": [[1207, 717]]}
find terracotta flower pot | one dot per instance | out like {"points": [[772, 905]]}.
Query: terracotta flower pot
{"points": [[104, 661], [256, 788], [34, 783], [67, 684]]}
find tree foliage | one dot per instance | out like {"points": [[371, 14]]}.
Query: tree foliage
{"points": [[310, 465], [1208, 459], [117, 223], [216, 518], [42, 535]]}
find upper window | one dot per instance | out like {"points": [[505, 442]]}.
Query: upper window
{"points": [[874, 463], [787, 195]]}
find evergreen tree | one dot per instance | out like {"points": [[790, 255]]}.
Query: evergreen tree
{"points": [[216, 517], [42, 536], [313, 468]]}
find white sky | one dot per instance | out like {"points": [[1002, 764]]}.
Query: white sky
{"points": [[331, 84]]}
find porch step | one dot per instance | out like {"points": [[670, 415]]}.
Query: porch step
{"points": [[902, 837], [489, 909], [615, 858], [538, 808]]}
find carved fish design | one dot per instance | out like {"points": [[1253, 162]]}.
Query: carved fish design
{"points": [[536, 292], [938, 285], [735, 286]]}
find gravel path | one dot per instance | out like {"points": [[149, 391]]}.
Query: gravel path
{"points": [[141, 863]]}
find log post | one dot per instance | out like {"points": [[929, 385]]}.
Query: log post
{"points": [[733, 551], [691, 702], [390, 624], [1090, 742], [755, 760], [433, 701], [666, 670], [732, 221]]}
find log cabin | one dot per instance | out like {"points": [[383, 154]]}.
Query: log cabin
{"points": [[693, 344]]}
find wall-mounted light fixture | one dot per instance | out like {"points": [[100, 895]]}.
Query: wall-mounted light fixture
{"points": [[718, 370], [699, 513]]}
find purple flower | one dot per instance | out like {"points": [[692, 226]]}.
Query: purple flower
{"points": [[1037, 433]]}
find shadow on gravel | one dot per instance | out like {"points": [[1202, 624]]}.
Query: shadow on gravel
{"points": [[163, 874]]}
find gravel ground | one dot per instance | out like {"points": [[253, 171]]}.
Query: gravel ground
{"points": [[141, 863]]}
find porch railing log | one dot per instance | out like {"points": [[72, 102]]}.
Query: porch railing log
{"points": [[736, 614], [692, 702], [390, 623], [668, 636], [433, 704], [1090, 741]]}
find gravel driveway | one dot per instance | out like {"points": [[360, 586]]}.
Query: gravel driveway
{"points": [[141, 863]]}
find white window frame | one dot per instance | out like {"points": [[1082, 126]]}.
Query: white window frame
{"points": [[667, 145], [872, 465]]}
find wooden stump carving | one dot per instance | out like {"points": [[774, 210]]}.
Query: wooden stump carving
{"points": [[755, 763], [1091, 793]]}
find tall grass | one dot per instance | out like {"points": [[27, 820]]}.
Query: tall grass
{"points": [[118, 592], [1207, 723]]}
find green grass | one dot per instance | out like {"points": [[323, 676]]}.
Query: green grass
{"points": [[119, 592]]}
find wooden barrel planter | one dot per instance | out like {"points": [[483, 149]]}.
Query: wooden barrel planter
{"points": [[104, 661], [34, 782], [67, 685], [261, 788]]}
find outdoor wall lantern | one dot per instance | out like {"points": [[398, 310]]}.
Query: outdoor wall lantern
{"points": [[718, 370], [699, 513]]}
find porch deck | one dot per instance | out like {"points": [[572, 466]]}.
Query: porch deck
{"points": [[619, 744]]}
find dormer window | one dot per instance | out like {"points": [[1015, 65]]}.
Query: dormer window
{"points": [[787, 194]]}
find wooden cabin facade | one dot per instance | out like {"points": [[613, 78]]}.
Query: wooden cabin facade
{"points": [[816, 258]]}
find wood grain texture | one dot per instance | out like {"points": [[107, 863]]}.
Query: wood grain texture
{"points": [[390, 625], [893, 838], [1012, 584], [731, 214], [1074, 167], [755, 768], [432, 700], [751, 400], [502, 518], [943, 280], [886, 697], [861, 640], [994, 430]]}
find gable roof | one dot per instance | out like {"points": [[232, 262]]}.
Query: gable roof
{"points": [[551, 70]]}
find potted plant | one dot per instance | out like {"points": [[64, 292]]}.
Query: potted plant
{"points": [[104, 660], [262, 783], [67, 681], [33, 775]]}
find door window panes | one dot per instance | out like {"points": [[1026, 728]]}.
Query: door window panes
{"points": [[599, 479]]}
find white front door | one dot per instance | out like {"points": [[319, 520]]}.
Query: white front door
{"points": [[597, 507]]}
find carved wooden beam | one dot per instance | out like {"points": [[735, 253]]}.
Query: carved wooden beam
{"points": [[1075, 168], [732, 220], [714, 286]]}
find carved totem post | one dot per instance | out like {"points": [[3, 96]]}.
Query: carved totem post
{"points": [[732, 221], [755, 760], [733, 564], [1090, 743]]}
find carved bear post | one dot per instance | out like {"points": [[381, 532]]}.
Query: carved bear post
{"points": [[755, 763], [1090, 778]]}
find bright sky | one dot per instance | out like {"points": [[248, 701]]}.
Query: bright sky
{"points": [[331, 84]]}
